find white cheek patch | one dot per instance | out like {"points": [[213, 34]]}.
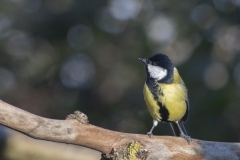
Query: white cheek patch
{"points": [[157, 72]]}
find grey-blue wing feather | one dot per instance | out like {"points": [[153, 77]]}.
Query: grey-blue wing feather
{"points": [[185, 117]]}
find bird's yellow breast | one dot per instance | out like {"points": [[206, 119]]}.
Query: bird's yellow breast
{"points": [[173, 99], [151, 103], [172, 96]]}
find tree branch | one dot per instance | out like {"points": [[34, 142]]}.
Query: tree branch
{"points": [[113, 144]]}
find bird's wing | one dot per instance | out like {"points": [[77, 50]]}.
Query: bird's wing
{"points": [[185, 117]]}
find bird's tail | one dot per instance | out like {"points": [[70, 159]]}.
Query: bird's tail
{"points": [[176, 129]]}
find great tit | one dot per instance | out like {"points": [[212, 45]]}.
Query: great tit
{"points": [[166, 94]]}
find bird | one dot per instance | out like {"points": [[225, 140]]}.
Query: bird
{"points": [[165, 94]]}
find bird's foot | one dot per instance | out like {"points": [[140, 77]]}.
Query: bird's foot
{"points": [[149, 134], [188, 138]]}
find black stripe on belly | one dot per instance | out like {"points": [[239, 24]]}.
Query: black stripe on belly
{"points": [[154, 88], [163, 112]]}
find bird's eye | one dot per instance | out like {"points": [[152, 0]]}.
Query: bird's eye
{"points": [[150, 62]]}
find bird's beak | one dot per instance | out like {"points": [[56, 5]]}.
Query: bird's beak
{"points": [[144, 60]]}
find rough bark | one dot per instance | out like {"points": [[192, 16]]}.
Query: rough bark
{"points": [[115, 145]]}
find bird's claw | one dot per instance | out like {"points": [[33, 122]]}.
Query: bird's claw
{"points": [[186, 137], [149, 134]]}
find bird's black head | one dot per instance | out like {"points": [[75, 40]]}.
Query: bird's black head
{"points": [[161, 60], [159, 67]]}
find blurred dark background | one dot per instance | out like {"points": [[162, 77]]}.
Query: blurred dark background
{"points": [[67, 55]]}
